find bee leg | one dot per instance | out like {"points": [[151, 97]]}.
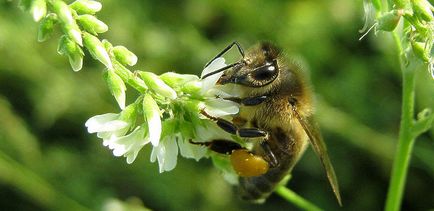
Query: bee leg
{"points": [[220, 146], [233, 129], [249, 101], [270, 157]]}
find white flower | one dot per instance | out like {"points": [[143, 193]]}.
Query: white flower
{"points": [[211, 80], [129, 145], [166, 152], [216, 107], [107, 125]]}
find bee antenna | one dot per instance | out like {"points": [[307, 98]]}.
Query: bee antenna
{"points": [[240, 49], [221, 69]]}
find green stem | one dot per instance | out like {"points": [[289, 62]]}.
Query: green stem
{"points": [[295, 199], [406, 138]]}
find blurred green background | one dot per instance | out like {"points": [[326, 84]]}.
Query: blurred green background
{"points": [[48, 161]]}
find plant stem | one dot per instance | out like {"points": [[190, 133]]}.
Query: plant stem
{"points": [[406, 137], [295, 199]]}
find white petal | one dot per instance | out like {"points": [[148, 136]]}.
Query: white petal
{"points": [[210, 81], [214, 65], [154, 154], [189, 150], [131, 156], [152, 114], [171, 154], [220, 107], [161, 153], [119, 149], [227, 90], [105, 123], [210, 131], [166, 153], [131, 142], [101, 118]]}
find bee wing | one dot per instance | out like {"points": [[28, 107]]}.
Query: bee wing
{"points": [[313, 132]]}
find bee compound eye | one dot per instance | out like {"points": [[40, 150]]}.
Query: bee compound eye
{"points": [[264, 73], [247, 164]]}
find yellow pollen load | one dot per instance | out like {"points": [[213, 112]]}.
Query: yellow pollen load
{"points": [[246, 164]]}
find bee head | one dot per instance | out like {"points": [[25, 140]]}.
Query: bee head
{"points": [[258, 68]]}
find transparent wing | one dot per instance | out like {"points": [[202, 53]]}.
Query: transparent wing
{"points": [[312, 130]]}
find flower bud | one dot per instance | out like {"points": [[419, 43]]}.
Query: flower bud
{"points": [[389, 20], [175, 79], [97, 50], [91, 24], [192, 87], [64, 13], [86, 6], [124, 56], [46, 27], [74, 33], [423, 10], [129, 77], [129, 114], [38, 9], [152, 116], [116, 86], [72, 50], [420, 50], [107, 45], [158, 85]]}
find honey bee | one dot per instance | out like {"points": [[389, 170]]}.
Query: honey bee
{"points": [[276, 114]]}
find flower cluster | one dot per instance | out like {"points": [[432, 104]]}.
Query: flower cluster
{"points": [[418, 25], [171, 118], [166, 114]]}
